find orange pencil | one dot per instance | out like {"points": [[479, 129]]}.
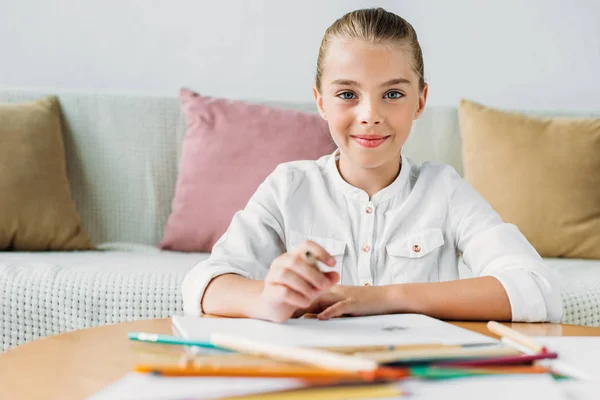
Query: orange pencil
{"points": [[279, 371]]}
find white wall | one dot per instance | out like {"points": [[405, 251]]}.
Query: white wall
{"points": [[535, 54]]}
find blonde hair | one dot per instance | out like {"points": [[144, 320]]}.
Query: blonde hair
{"points": [[377, 26]]}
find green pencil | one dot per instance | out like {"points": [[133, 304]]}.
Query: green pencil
{"points": [[426, 372], [174, 340]]}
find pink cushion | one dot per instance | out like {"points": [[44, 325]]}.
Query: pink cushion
{"points": [[230, 147]]}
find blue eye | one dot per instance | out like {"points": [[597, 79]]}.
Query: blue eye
{"points": [[394, 95], [346, 96]]}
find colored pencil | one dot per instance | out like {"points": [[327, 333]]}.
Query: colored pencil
{"points": [[441, 372], [558, 367], [172, 340], [516, 337], [312, 356], [437, 354], [335, 392], [405, 347], [512, 360], [272, 371]]}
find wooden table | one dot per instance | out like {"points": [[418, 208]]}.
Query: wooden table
{"points": [[77, 364]]}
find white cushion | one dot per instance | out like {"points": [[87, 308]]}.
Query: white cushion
{"points": [[581, 290], [44, 294]]}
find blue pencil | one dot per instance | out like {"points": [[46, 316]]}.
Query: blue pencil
{"points": [[174, 340]]}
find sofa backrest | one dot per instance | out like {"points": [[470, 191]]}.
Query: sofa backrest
{"points": [[123, 151]]}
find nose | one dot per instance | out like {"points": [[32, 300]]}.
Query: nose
{"points": [[369, 113]]}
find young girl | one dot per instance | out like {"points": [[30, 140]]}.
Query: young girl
{"points": [[387, 230]]}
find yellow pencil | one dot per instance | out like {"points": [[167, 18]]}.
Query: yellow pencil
{"points": [[371, 391]]}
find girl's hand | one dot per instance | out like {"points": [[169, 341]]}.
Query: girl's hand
{"points": [[292, 283], [350, 301]]}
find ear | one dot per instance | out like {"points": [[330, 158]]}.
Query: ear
{"points": [[319, 101], [422, 101]]}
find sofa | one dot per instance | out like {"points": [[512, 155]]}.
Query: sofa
{"points": [[122, 155]]}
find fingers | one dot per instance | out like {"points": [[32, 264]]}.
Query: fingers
{"points": [[300, 312], [294, 282], [319, 252], [322, 302], [333, 277], [291, 270], [337, 310], [288, 277], [309, 273], [290, 296]]}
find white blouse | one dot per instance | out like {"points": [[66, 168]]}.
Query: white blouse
{"points": [[412, 231]]}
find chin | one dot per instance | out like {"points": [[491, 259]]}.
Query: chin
{"points": [[369, 159]]}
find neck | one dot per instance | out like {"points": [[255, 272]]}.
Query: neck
{"points": [[371, 180]]}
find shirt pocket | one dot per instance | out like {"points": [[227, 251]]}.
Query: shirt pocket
{"points": [[415, 258], [336, 248]]}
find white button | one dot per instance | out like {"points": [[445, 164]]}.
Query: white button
{"points": [[369, 210], [366, 248]]}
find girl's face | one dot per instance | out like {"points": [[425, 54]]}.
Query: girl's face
{"points": [[370, 96]]}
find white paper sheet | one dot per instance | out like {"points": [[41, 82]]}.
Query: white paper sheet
{"points": [[574, 390], [514, 387], [356, 331], [498, 387], [579, 352], [136, 386]]}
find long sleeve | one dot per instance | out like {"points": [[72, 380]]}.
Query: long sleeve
{"points": [[253, 240], [491, 247]]}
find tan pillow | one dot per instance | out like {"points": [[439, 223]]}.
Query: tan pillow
{"points": [[541, 174], [37, 211]]}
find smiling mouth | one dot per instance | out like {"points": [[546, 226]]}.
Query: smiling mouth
{"points": [[370, 141]]}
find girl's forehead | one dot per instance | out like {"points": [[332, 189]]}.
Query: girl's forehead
{"points": [[365, 60]]}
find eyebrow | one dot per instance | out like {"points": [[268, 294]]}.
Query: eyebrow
{"points": [[348, 82]]}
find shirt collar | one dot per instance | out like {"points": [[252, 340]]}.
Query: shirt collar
{"points": [[384, 194]]}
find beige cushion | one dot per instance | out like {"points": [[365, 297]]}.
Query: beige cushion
{"points": [[36, 208], [541, 174]]}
